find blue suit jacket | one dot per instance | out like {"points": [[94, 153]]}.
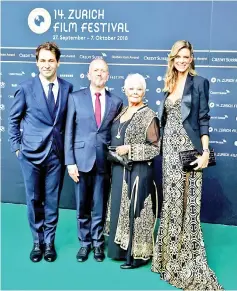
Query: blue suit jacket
{"points": [[85, 143], [194, 109], [30, 109]]}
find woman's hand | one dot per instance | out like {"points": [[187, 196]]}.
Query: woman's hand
{"points": [[201, 161], [122, 150]]}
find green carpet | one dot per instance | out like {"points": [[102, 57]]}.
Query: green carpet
{"points": [[19, 273]]}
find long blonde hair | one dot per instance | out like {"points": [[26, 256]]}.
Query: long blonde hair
{"points": [[171, 73]]}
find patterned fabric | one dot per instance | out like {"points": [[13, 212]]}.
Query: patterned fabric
{"points": [[123, 226], [179, 254], [132, 208], [140, 150]]}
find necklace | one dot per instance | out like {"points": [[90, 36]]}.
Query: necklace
{"points": [[120, 129]]}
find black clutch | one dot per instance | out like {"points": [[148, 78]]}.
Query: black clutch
{"points": [[113, 157], [187, 157]]}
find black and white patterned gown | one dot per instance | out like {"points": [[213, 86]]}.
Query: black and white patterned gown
{"points": [[132, 208], [179, 253]]}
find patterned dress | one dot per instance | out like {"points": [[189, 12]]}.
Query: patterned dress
{"points": [[132, 209], [179, 254]]}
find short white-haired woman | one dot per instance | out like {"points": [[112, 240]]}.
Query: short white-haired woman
{"points": [[132, 207]]}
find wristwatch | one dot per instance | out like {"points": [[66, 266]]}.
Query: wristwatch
{"points": [[206, 151]]}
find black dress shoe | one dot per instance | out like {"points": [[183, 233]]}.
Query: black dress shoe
{"points": [[83, 253], [50, 254], [36, 254], [127, 266], [99, 255]]}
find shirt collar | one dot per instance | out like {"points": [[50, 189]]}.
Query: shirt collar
{"points": [[93, 91], [46, 83]]}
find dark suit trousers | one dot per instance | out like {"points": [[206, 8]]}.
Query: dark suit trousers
{"points": [[91, 198], [43, 185]]}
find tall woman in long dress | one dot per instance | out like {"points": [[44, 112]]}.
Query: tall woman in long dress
{"points": [[132, 209], [179, 254]]}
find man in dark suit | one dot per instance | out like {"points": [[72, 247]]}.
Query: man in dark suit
{"points": [[40, 105], [87, 135]]}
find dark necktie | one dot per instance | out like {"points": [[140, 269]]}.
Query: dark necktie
{"points": [[51, 101], [97, 109]]}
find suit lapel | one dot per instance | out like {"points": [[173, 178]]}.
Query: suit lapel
{"points": [[40, 98], [89, 104], [187, 98]]}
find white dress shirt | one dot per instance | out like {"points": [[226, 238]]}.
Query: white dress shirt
{"points": [[102, 100], [45, 85]]}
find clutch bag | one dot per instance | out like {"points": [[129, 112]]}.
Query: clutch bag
{"points": [[113, 157], [187, 157]]}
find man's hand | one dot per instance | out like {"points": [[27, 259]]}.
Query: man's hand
{"points": [[17, 153], [73, 172]]}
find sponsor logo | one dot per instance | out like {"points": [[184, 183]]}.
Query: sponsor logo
{"points": [[109, 88], [220, 92], [126, 57], [2, 107], [66, 75], [145, 100], [33, 75], [226, 130], [220, 117], [159, 78], [2, 85], [226, 105], [39, 20], [158, 102], [213, 80], [229, 155], [223, 141], [158, 90], [17, 74], [14, 85], [116, 77], [2, 128], [211, 104], [68, 56], [82, 76]]}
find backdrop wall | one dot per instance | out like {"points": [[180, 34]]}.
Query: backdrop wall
{"points": [[132, 36]]}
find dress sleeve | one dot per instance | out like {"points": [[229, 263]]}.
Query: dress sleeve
{"points": [[151, 147]]}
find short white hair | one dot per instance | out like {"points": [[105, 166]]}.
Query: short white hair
{"points": [[136, 77]]}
